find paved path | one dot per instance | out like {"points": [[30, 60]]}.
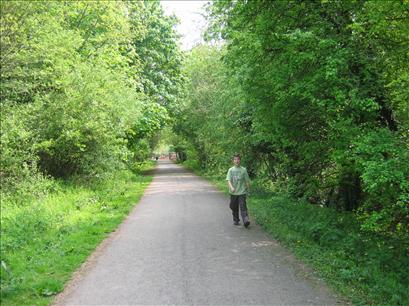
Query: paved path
{"points": [[179, 247]]}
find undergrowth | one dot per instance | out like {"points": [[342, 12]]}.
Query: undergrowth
{"points": [[44, 241], [366, 268]]}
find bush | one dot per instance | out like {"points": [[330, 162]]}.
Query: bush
{"points": [[20, 177], [382, 161], [82, 131]]}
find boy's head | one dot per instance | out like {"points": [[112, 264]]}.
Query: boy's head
{"points": [[236, 159]]}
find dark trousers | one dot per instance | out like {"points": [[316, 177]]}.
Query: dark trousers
{"points": [[236, 202]]}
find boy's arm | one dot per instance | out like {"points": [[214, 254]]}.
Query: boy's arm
{"points": [[228, 178], [230, 186]]}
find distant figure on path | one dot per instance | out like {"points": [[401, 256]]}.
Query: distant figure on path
{"points": [[238, 182]]}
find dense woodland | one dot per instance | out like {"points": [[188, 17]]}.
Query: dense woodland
{"points": [[84, 87], [313, 94]]}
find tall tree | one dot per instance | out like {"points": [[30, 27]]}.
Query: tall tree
{"points": [[323, 87], [72, 82], [156, 59]]}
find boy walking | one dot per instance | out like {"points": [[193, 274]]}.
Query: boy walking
{"points": [[238, 182]]}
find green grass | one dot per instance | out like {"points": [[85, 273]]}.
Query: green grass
{"points": [[365, 268], [44, 242]]}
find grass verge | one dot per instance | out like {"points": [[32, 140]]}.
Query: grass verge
{"points": [[365, 268], [44, 242]]}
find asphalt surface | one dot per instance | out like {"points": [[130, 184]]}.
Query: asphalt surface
{"points": [[179, 247]]}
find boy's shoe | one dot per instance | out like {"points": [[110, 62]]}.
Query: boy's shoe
{"points": [[246, 224], [236, 223]]}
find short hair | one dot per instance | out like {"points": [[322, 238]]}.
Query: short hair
{"points": [[237, 155]]}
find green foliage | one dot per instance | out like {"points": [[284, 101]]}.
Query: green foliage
{"points": [[62, 84], [382, 159], [85, 88], [44, 241], [157, 58], [212, 96], [192, 159], [18, 160], [142, 135], [84, 135], [365, 267], [314, 95], [157, 52], [80, 87]]}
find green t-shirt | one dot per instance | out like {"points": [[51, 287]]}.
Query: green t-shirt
{"points": [[238, 177]]}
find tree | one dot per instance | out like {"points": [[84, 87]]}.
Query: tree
{"points": [[70, 85], [158, 52], [324, 84]]}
